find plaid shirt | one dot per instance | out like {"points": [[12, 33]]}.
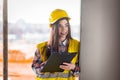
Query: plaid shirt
{"points": [[38, 64]]}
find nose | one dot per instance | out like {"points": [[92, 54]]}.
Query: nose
{"points": [[63, 28]]}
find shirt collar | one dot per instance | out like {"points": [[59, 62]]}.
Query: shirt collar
{"points": [[63, 42]]}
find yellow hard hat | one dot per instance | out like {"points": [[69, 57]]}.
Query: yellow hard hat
{"points": [[56, 15]]}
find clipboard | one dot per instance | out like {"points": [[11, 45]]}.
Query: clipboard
{"points": [[55, 60]]}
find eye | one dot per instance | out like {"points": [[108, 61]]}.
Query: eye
{"points": [[67, 25], [59, 25]]}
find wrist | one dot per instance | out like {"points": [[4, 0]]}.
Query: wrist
{"points": [[73, 67]]}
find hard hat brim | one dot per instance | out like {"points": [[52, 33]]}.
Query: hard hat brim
{"points": [[50, 25]]}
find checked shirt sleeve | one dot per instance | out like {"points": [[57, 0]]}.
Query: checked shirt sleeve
{"points": [[76, 70], [37, 63]]}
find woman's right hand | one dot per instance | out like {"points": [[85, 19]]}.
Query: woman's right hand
{"points": [[39, 69]]}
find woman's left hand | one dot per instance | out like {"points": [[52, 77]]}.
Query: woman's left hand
{"points": [[67, 66]]}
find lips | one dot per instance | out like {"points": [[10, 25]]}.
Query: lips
{"points": [[63, 33]]}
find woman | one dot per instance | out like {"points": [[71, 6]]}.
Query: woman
{"points": [[60, 41]]}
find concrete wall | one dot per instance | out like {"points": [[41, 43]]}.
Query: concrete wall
{"points": [[100, 40]]}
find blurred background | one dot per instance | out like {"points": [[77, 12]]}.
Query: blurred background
{"points": [[28, 25]]}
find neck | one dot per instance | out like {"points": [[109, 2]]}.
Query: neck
{"points": [[62, 39]]}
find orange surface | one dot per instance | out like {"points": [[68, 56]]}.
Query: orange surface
{"points": [[18, 67], [18, 71]]}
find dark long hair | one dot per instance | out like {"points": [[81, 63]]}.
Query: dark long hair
{"points": [[55, 34]]}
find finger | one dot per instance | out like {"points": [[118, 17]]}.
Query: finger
{"points": [[65, 67], [66, 63]]}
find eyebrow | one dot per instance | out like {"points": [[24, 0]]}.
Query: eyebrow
{"points": [[65, 24]]}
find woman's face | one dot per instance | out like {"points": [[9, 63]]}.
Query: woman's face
{"points": [[63, 29]]}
